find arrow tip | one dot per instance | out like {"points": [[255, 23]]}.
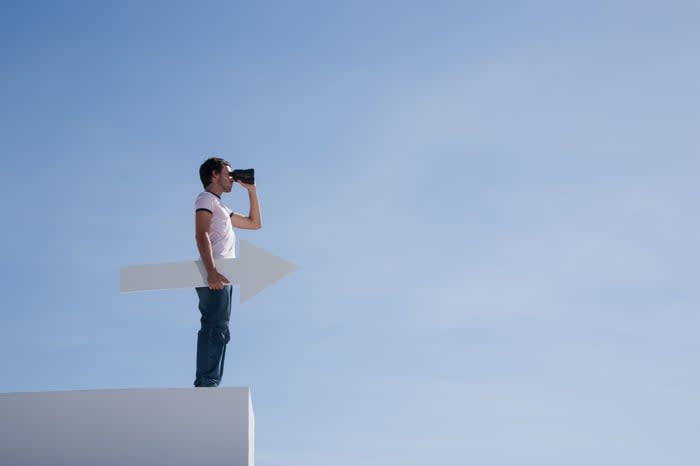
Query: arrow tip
{"points": [[259, 269]]}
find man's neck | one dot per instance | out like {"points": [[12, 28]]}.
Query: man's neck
{"points": [[214, 190]]}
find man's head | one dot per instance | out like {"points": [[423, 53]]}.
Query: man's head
{"points": [[215, 171]]}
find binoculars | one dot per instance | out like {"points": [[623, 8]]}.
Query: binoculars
{"points": [[246, 176]]}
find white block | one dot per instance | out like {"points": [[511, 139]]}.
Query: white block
{"points": [[130, 427]]}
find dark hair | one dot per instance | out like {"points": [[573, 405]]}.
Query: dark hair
{"points": [[213, 164]]}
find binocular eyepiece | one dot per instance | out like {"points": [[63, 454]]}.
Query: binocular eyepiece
{"points": [[246, 176]]}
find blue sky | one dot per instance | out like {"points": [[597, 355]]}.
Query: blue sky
{"points": [[493, 207]]}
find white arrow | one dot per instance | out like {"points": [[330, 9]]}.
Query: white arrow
{"points": [[254, 270]]}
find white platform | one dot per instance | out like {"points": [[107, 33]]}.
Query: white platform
{"points": [[134, 427]]}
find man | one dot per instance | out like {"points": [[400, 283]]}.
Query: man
{"points": [[214, 223]]}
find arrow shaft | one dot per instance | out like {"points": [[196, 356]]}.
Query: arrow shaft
{"points": [[189, 274]]}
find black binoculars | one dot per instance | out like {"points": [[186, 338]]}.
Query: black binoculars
{"points": [[246, 176]]}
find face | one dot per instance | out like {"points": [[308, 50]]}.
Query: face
{"points": [[224, 179]]}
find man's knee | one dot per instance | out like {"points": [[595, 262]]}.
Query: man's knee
{"points": [[220, 335]]}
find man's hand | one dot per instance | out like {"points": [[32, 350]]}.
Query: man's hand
{"points": [[216, 281], [253, 221], [246, 185]]}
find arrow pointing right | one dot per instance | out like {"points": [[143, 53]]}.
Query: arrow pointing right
{"points": [[254, 270]]}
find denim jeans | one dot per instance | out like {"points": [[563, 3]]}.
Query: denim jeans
{"points": [[215, 307]]}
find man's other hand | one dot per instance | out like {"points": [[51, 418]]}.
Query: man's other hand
{"points": [[216, 281]]}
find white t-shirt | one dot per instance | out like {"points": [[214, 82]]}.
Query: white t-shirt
{"points": [[223, 239]]}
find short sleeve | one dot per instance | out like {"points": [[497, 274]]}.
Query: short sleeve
{"points": [[204, 202]]}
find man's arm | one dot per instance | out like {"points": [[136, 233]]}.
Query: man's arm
{"points": [[215, 280], [253, 221]]}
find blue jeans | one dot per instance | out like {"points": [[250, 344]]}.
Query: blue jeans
{"points": [[215, 307]]}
